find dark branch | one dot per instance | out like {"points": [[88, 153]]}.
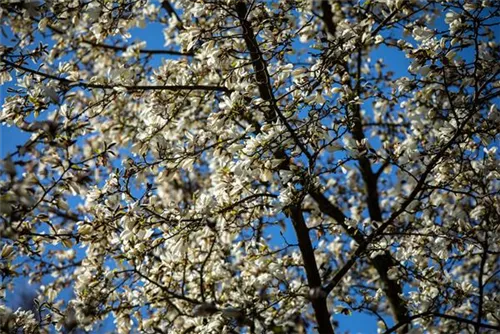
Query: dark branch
{"points": [[318, 297], [263, 79], [383, 262], [438, 315], [71, 83], [171, 11], [143, 51]]}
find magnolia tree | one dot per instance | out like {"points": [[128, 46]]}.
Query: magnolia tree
{"points": [[263, 172]]}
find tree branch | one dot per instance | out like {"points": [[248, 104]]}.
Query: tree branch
{"points": [[385, 21], [143, 51], [318, 298], [383, 262], [484, 257], [328, 17], [72, 83], [121, 48], [438, 315], [263, 79], [171, 11], [317, 295]]}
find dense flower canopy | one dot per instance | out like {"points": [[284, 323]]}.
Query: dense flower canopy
{"points": [[264, 172]]}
